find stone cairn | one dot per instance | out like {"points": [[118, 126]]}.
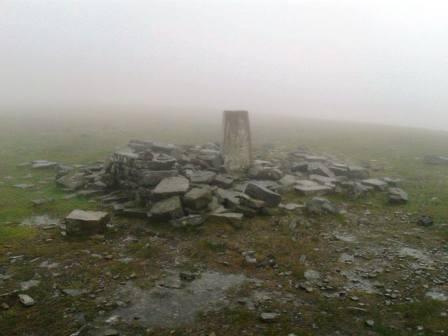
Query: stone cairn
{"points": [[186, 185]]}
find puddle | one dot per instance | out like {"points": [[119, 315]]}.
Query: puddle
{"points": [[43, 221], [176, 305]]}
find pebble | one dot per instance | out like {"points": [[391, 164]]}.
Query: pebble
{"points": [[26, 300]]}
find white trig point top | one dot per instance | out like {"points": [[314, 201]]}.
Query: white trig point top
{"points": [[237, 144]]}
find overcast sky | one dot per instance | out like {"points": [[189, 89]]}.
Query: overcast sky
{"points": [[366, 60]]}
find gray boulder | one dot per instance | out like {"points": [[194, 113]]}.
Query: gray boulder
{"points": [[171, 186], [202, 176], [74, 180], [265, 173], [398, 196], [198, 198], [357, 172], [259, 192], [150, 178], [80, 222], [320, 206], [223, 181], [375, 183], [167, 209], [318, 168]]}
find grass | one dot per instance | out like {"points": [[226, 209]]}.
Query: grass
{"points": [[392, 151]]}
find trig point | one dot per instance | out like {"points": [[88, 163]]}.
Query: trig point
{"points": [[237, 146]]}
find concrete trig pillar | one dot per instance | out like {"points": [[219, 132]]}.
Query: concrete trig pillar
{"points": [[237, 144]]}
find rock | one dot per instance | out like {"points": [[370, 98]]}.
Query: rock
{"points": [[43, 164], [265, 173], [288, 181], [203, 176], [320, 205], [437, 296], [111, 332], [357, 172], [171, 186], [398, 196], [318, 168], [311, 275], [187, 276], [23, 186], [425, 220], [170, 208], [307, 190], [247, 201], [375, 183], [188, 221], [25, 285], [262, 193], [26, 300], [151, 178], [370, 323], [161, 162], [74, 292], [436, 160], [223, 181], [74, 180], [346, 258], [41, 201], [269, 317], [198, 198], [232, 217], [80, 222], [291, 206], [229, 198], [301, 167]]}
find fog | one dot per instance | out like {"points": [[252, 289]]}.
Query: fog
{"points": [[371, 61]]}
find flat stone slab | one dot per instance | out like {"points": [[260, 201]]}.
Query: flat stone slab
{"points": [[375, 183], [43, 164], [312, 189], [203, 176], [171, 186], [170, 208], [262, 193], [80, 222], [198, 198]]}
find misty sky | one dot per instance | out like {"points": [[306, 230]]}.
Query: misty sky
{"points": [[367, 60]]}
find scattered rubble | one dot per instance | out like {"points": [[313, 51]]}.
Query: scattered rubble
{"points": [[174, 183]]}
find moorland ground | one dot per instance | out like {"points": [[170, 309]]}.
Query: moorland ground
{"points": [[381, 284]]}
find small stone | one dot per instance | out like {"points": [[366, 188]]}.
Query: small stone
{"points": [[4, 306], [111, 332], [26, 300], [370, 323], [311, 275], [425, 220], [320, 206], [25, 285], [269, 317], [398, 196]]}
